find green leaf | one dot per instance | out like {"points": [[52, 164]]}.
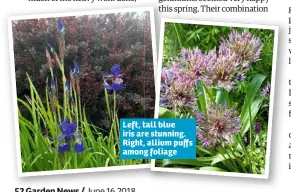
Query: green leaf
{"points": [[219, 158], [252, 91], [245, 120], [179, 31], [165, 113], [220, 98], [203, 150]]}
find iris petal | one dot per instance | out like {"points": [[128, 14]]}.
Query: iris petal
{"points": [[117, 86], [50, 48], [68, 85], [79, 147], [72, 128], [115, 70], [61, 137], [63, 147], [60, 25], [76, 68], [107, 86], [77, 135], [64, 125], [108, 76], [53, 83]]}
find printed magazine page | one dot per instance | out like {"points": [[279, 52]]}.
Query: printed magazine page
{"points": [[145, 95]]}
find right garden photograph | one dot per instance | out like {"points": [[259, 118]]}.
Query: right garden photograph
{"points": [[221, 76]]}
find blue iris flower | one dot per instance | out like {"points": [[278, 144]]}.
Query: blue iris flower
{"points": [[69, 130], [50, 48], [69, 133], [117, 82], [75, 68], [68, 85], [53, 83], [79, 147], [63, 147], [60, 25]]}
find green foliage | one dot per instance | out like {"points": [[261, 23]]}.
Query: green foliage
{"points": [[38, 141], [247, 152]]}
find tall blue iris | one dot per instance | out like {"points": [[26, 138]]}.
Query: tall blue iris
{"points": [[76, 69], [68, 85], [50, 48], [53, 83], [69, 134], [60, 25], [117, 82]]}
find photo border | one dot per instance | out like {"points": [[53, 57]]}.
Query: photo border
{"points": [[14, 90], [271, 106]]}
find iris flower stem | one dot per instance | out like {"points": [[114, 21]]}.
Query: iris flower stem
{"points": [[107, 103], [64, 88], [80, 110], [76, 110], [114, 103], [114, 117], [68, 106]]}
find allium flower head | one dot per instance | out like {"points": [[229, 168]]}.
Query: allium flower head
{"points": [[177, 87], [223, 69], [217, 127], [195, 62], [167, 76], [182, 94], [266, 90], [245, 45], [185, 54], [117, 82]]}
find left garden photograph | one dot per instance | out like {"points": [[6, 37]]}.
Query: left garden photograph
{"points": [[75, 77]]}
